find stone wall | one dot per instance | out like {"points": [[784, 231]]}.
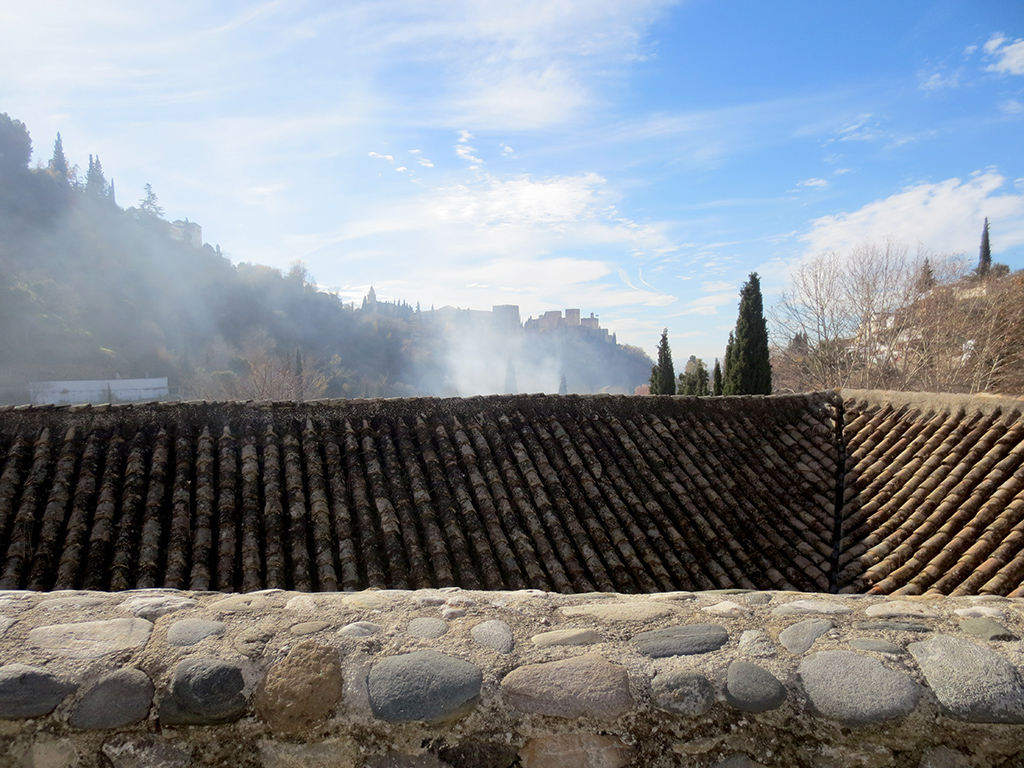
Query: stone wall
{"points": [[430, 678]]}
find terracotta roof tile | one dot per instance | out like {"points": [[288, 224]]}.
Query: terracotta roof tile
{"points": [[570, 493]]}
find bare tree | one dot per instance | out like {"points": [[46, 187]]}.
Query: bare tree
{"points": [[877, 318], [256, 371]]}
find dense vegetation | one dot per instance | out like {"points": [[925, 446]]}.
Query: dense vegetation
{"points": [[89, 290]]}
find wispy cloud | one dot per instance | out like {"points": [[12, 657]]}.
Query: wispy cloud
{"points": [[937, 81], [813, 183], [1008, 54]]}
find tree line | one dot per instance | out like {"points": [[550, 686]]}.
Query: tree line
{"points": [[747, 369], [874, 317]]}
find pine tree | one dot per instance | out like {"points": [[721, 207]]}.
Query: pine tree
{"points": [[563, 386], [150, 204], [926, 280], [663, 375], [59, 162], [985, 255], [748, 367], [95, 181], [716, 380]]}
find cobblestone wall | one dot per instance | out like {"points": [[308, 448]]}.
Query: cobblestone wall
{"points": [[432, 678]]}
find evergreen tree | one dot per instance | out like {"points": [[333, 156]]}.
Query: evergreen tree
{"points": [[59, 162], [663, 375], [728, 357], [15, 144], [149, 204], [748, 367], [716, 380], [563, 387], [95, 181], [694, 380], [985, 255], [926, 280]]}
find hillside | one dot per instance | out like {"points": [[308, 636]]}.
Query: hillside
{"points": [[90, 290]]}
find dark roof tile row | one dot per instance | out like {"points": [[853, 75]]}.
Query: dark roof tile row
{"points": [[571, 494]]}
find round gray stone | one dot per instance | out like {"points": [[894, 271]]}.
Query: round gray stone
{"points": [[972, 683], [874, 644], [203, 692], [152, 607], [682, 640], [855, 689], [683, 692], [118, 698], [428, 627], [986, 629], [799, 637], [359, 629], [424, 685], [752, 688], [494, 634], [30, 691], [191, 631], [92, 639], [578, 687]]}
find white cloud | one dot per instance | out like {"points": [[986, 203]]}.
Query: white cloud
{"points": [[522, 201], [1009, 56], [389, 158], [1012, 107], [943, 216], [424, 162], [813, 183], [937, 81]]}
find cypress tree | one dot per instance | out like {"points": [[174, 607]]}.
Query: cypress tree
{"points": [[748, 367], [716, 380], [663, 374], [985, 255], [59, 162]]}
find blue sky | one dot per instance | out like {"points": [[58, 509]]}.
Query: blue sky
{"points": [[633, 158]]}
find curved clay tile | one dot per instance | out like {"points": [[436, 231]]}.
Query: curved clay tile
{"points": [[206, 495], [434, 473], [57, 509], [181, 515], [152, 539], [19, 548], [525, 554], [319, 512], [370, 548], [126, 542], [341, 515], [273, 513], [531, 504], [252, 529], [468, 518], [386, 518], [298, 534]]}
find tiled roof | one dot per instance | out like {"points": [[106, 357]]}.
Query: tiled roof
{"points": [[572, 494], [934, 495]]}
